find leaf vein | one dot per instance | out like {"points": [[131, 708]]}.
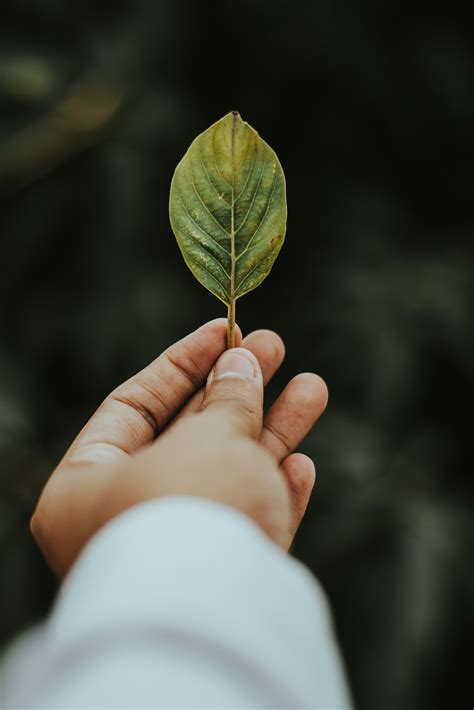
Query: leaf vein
{"points": [[215, 163], [247, 247], [248, 177], [253, 198], [209, 273], [259, 263], [196, 241], [205, 206], [209, 179], [204, 232]]}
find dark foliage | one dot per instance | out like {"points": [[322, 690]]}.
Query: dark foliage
{"points": [[370, 108]]}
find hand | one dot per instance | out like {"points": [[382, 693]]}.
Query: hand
{"points": [[163, 432]]}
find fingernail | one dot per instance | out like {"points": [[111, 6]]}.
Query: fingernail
{"points": [[233, 364]]}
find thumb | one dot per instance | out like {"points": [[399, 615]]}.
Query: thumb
{"points": [[234, 392]]}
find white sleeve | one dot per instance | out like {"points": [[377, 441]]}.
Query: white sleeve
{"points": [[181, 603]]}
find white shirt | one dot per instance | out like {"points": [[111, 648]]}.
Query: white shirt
{"points": [[180, 603]]}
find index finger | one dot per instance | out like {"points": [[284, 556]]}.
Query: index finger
{"points": [[134, 413]]}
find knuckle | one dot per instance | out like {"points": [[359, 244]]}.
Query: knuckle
{"points": [[234, 409], [280, 436], [240, 398], [243, 410], [185, 365]]}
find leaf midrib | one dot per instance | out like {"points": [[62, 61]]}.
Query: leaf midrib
{"points": [[232, 213]]}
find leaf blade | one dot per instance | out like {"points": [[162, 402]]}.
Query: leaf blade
{"points": [[228, 208]]}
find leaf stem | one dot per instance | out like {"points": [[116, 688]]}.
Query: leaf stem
{"points": [[231, 325]]}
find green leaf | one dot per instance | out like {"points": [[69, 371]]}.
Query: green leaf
{"points": [[228, 209]]}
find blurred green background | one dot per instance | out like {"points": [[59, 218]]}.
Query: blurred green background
{"points": [[369, 106]]}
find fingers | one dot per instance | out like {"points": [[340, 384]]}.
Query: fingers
{"points": [[234, 393], [300, 474], [269, 350], [286, 424], [293, 414], [137, 410]]}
